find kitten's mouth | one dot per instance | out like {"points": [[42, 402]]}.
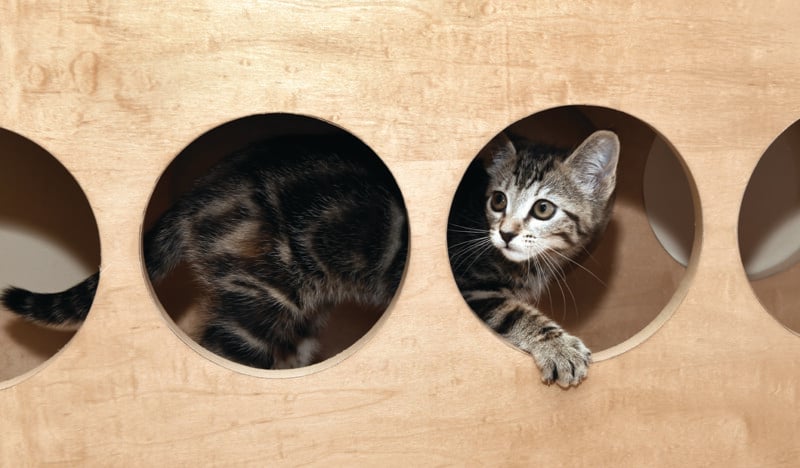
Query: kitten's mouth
{"points": [[510, 251], [513, 254]]}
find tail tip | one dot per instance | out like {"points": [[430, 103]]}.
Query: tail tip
{"points": [[15, 299]]}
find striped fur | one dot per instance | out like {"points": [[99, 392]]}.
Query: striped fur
{"points": [[277, 234], [523, 213], [66, 309]]}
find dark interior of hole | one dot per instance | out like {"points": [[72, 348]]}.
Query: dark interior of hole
{"points": [[628, 278], [773, 184], [179, 293], [39, 197], [37, 193]]}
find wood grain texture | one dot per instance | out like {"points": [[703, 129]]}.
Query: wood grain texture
{"points": [[116, 89]]}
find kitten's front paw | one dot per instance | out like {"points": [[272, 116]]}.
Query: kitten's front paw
{"points": [[563, 359]]}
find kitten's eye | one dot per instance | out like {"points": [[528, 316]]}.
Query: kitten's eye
{"points": [[498, 201], [543, 209]]}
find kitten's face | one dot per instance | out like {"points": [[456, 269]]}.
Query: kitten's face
{"points": [[542, 204], [526, 221]]}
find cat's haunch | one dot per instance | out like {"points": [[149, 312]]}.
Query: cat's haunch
{"points": [[277, 235]]}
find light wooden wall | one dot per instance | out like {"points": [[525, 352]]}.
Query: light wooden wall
{"points": [[116, 89]]}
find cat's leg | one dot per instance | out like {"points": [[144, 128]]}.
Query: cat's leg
{"points": [[561, 357], [234, 342], [260, 329], [305, 352]]}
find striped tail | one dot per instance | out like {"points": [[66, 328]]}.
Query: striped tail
{"points": [[163, 251], [66, 309]]}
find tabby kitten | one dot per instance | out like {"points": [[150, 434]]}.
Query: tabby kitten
{"points": [[522, 213], [276, 234]]}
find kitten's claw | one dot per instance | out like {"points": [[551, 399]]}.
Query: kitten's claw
{"points": [[564, 360]]}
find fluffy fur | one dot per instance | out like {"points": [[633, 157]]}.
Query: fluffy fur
{"points": [[523, 213], [276, 234]]}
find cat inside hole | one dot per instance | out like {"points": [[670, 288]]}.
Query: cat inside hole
{"points": [[523, 213], [277, 236]]}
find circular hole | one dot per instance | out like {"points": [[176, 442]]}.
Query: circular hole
{"points": [[275, 241], [611, 289], [48, 243], [769, 228]]}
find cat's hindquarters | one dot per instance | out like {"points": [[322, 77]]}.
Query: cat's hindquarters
{"points": [[275, 275], [66, 309], [362, 246]]}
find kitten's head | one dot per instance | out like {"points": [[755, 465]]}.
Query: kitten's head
{"points": [[543, 201]]}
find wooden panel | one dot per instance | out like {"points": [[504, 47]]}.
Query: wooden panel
{"points": [[116, 89]]}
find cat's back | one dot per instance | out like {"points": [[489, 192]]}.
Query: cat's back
{"points": [[300, 164], [320, 210], [307, 200]]}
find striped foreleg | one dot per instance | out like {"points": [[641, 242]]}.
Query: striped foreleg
{"points": [[561, 357]]}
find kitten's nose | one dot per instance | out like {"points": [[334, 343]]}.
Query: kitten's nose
{"points": [[507, 236]]}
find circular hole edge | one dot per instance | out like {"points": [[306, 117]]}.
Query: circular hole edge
{"points": [[687, 277], [285, 124]]}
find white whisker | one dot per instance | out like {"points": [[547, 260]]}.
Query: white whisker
{"points": [[485, 249], [562, 276], [466, 229], [466, 250], [554, 273], [581, 267]]}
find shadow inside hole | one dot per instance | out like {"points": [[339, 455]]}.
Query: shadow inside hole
{"points": [[48, 242], [769, 228], [627, 278], [180, 293]]}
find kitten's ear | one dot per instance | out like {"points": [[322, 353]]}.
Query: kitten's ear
{"points": [[497, 153], [594, 163]]}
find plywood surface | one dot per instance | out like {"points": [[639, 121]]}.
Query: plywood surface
{"points": [[116, 89]]}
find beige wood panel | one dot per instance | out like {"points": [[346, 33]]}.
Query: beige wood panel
{"points": [[116, 89]]}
